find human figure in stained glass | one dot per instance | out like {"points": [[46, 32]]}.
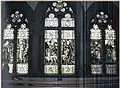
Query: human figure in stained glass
{"points": [[110, 55]]}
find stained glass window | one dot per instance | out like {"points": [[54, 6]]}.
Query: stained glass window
{"points": [[51, 51], [68, 51], [22, 49], [103, 52], [96, 42], [20, 57], [110, 52], [59, 43], [8, 38]]}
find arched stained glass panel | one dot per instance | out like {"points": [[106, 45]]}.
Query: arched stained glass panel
{"points": [[102, 43], [68, 51], [51, 52], [96, 42], [59, 43], [22, 49], [110, 53], [15, 45], [8, 47]]}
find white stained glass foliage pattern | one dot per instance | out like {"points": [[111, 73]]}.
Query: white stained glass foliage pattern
{"points": [[8, 32], [67, 21], [96, 69], [95, 32], [7, 51], [22, 68], [68, 52], [51, 21], [67, 34], [51, 34], [51, 52], [22, 50], [109, 33]]}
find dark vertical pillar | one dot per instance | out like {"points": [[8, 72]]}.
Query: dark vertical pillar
{"points": [[79, 39]]}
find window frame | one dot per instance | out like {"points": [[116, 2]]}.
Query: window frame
{"points": [[91, 13]]}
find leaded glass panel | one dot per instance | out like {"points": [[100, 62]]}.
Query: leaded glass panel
{"points": [[51, 21], [59, 6], [102, 17], [7, 50], [68, 51], [67, 21], [110, 52], [95, 32], [59, 41], [102, 43], [96, 69], [96, 45], [51, 52], [22, 49], [96, 51], [111, 69]]}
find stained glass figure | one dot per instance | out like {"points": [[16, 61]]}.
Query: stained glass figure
{"points": [[8, 37], [68, 51], [51, 52], [22, 49], [110, 54], [51, 21], [66, 37], [67, 21], [96, 43], [96, 51]]}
